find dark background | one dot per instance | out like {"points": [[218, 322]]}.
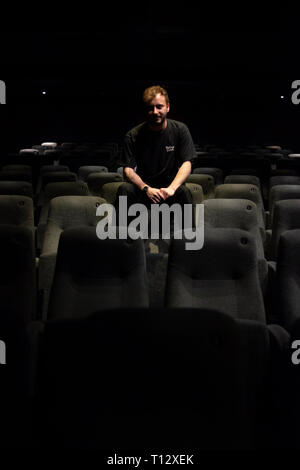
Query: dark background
{"points": [[225, 68]]}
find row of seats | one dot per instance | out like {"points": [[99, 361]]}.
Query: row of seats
{"points": [[106, 370], [227, 211], [148, 379], [81, 273]]}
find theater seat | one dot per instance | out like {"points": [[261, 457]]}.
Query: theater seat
{"points": [[65, 212], [282, 192], [23, 188], [223, 275], [206, 181], [286, 216], [159, 379], [240, 214], [288, 276], [17, 210], [93, 274], [52, 190], [17, 272], [243, 191], [96, 181]]}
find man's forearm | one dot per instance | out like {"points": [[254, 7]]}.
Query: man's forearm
{"points": [[182, 174], [134, 178]]}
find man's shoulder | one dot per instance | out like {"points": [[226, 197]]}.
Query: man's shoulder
{"points": [[177, 125], [135, 131]]}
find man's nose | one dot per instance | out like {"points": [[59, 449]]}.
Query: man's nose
{"points": [[155, 110]]}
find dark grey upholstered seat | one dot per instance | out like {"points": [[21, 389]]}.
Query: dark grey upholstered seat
{"points": [[65, 212], [281, 192], [156, 378], [17, 272], [15, 430], [17, 167], [289, 386], [57, 176], [84, 171], [93, 274], [238, 179], [17, 210], [23, 188], [241, 214], [52, 190], [15, 175], [206, 181], [286, 216], [50, 168], [215, 172], [288, 277], [243, 191], [45, 169], [223, 275], [283, 179], [95, 181]]}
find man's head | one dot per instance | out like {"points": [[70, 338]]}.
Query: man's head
{"points": [[157, 105]]}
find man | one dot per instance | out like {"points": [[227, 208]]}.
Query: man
{"points": [[157, 155]]}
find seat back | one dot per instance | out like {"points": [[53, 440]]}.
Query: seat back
{"points": [[93, 274], [204, 381], [222, 275], [17, 273]]}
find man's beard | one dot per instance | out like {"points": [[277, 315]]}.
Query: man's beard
{"points": [[157, 121]]}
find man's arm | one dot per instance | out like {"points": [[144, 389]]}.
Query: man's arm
{"points": [[153, 193], [182, 174]]}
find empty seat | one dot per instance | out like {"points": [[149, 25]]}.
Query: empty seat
{"points": [[52, 190], [93, 274], [284, 179], [14, 349], [281, 192], [95, 181], [64, 212], [288, 275], [286, 216], [18, 167], [289, 387], [17, 210], [17, 272], [241, 214], [223, 275], [84, 171], [237, 179], [45, 169], [243, 191], [205, 181], [23, 188], [15, 175], [49, 168], [49, 145], [109, 191], [204, 381], [31, 151], [215, 172], [57, 176]]}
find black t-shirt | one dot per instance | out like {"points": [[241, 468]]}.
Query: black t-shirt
{"points": [[157, 155]]}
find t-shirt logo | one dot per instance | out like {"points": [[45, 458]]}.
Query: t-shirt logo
{"points": [[170, 148]]}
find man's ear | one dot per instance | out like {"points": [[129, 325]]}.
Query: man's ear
{"points": [[168, 107]]}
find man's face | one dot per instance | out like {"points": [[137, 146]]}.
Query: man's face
{"points": [[157, 110]]}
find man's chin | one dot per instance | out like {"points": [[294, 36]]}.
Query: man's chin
{"points": [[157, 122]]}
